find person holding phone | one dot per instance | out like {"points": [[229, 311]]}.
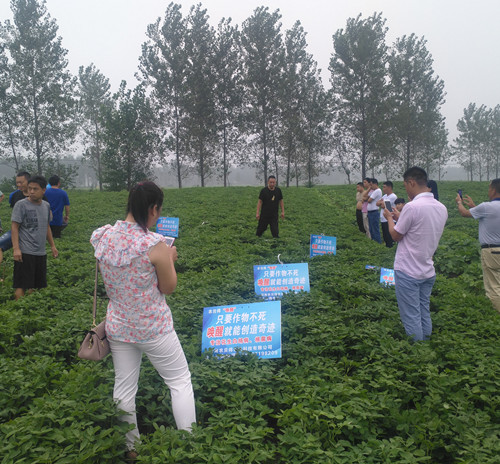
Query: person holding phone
{"points": [[418, 231], [373, 212], [488, 215], [137, 267], [387, 200]]}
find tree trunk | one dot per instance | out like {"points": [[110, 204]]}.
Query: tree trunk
{"points": [[408, 152], [12, 146], [202, 166], [296, 170], [264, 143], [224, 148], [177, 148], [98, 155], [38, 150]]}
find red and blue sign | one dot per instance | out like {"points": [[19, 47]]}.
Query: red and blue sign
{"points": [[387, 276], [272, 281], [168, 226], [322, 245], [251, 327]]}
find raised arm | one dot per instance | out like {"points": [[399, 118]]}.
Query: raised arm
{"points": [[461, 208]]}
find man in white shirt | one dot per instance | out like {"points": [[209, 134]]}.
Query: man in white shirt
{"points": [[488, 215], [373, 213], [388, 196]]}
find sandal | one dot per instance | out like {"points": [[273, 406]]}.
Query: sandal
{"points": [[131, 456]]}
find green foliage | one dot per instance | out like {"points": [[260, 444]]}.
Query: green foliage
{"points": [[477, 145], [350, 387], [130, 139], [359, 88], [40, 88]]}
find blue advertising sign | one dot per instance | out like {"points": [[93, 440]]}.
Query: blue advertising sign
{"points": [[168, 226], [387, 276], [253, 327], [274, 280], [322, 245], [373, 268]]}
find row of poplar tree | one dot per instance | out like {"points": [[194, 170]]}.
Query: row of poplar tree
{"points": [[209, 99]]}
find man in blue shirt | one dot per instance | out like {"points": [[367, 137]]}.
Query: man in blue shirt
{"points": [[59, 202]]}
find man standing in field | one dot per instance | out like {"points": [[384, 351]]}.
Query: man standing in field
{"points": [[30, 229], [373, 212], [22, 188], [418, 231], [488, 214], [359, 207], [59, 201], [20, 194], [270, 198], [389, 195], [364, 207]]}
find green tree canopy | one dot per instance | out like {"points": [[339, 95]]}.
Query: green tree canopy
{"points": [[41, 87]]}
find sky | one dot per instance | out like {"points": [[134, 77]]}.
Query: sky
{"points": [[462, 36]]}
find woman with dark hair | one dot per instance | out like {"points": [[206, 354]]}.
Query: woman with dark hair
{"points": [[137, 268], [432, 186]]}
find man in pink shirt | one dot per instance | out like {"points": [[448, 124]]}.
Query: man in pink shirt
{"points": [[417, 232]]}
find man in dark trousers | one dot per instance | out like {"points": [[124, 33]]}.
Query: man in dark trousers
{"points": [[270, 199]]}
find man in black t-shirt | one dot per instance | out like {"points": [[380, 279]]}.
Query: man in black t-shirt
{"points": [[270, 199], [22, 188]]}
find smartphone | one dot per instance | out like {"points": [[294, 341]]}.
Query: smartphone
{"points": [[459, 191], [388, 205], [169, 241]]}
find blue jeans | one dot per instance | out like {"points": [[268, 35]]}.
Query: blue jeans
{"points": [[414, 297], [374, 222]]}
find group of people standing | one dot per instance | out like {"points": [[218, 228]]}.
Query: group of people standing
{"points": [[37, 217], [369, 198], [137, 267], [418, 228]]}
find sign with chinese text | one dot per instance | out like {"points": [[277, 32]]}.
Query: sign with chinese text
{"points": [[253, 327], [387, 276], [322, 245], [274, 280], [168, 226]]}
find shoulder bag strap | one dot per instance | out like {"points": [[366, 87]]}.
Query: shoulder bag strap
{"points": [[94, 310]]}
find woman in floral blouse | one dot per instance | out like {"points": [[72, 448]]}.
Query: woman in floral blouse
{"points": [[137, 268]]}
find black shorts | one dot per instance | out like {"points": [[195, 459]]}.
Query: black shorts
{"points": [[56, 231], [31, 273]]}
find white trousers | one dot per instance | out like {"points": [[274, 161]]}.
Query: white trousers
{"points": [[167, 356]]}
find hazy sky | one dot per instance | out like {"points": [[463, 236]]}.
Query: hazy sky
{"points": [[463, 36]]}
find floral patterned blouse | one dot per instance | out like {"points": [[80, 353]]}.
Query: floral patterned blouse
{"points": [[137, 310]]}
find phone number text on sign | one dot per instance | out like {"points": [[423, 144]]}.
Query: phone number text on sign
{"points": [[253, 327]]}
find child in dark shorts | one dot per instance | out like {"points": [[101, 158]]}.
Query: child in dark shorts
{"points": [[30, 230], [31, 272]]}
